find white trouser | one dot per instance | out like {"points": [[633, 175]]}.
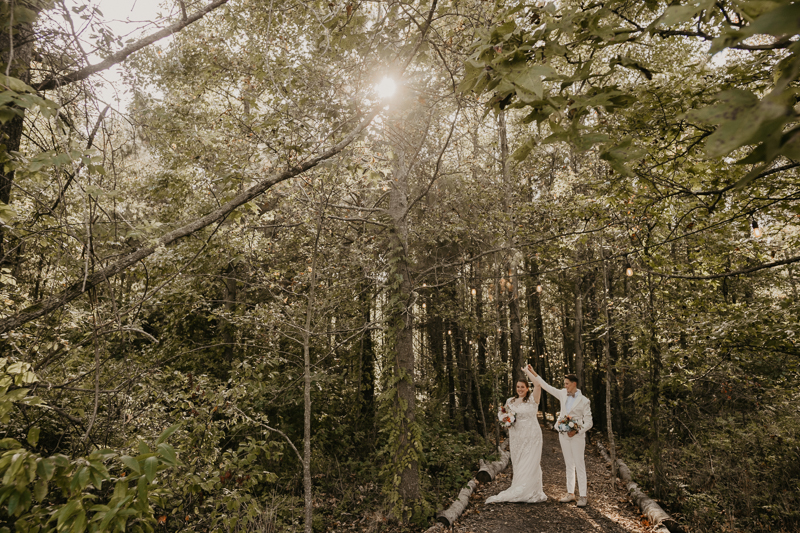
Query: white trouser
{"points": [[573, 449]]}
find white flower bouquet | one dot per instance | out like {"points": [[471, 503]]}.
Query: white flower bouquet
{"points": [[507, 416], [567, 424]]}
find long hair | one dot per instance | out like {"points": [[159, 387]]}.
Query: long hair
{"points": [[528, 394]]}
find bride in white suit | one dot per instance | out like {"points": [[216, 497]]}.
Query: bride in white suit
{"points": [[573, 443]]}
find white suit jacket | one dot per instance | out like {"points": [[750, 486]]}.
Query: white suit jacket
{"points": [[581, 409]]}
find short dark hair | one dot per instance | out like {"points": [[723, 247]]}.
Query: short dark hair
{"points": [[572, 377]]}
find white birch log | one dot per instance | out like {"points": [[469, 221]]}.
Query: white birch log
{"points": [[449, 516], [488, 472], [661, 521], [435, 528]]}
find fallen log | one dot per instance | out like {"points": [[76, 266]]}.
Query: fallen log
{"points": [[660, 519], [435, 528], [488, 472], [449, 516]]}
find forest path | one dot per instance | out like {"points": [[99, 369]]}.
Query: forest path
{"points": [[609, 509]]}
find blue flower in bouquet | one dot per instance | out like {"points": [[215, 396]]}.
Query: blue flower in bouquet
{"points": [[567, 424]]}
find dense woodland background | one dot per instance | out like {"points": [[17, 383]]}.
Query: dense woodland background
{"points": [[261, 297]]}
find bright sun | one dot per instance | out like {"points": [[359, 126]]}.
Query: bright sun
{"points": [[386, 87]]}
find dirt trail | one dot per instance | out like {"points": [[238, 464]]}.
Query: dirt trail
{"points": [[608, 510]]}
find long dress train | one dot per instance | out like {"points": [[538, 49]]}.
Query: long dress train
{"points": [[526, 456]]}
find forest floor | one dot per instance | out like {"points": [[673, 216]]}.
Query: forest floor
{"points": [[609, 509]]}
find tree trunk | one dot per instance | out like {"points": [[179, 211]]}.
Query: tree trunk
{"points": [[578, 333], [464, 381], [435, 328], [536, 327], [308, 488], [367, 358], [11, 131], [478, 285], [655, 389], [607, 350], [502, 334], [517, 361], [513, 300], [401, 321], [451, 378]]}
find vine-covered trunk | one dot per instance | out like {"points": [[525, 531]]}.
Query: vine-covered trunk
{"points": [[18, 51], [405, 445]]}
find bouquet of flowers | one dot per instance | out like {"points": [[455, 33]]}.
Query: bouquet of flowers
{"points": [[507, 416], [567, 424]]}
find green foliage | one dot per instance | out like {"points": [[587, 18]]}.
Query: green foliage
{"points": [[59, 493], [540, 59]]}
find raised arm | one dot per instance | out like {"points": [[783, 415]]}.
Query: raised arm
{"points": [[537, 380]]}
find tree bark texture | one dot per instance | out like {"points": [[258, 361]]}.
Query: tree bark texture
{"points": [[308, 490], [401, 322], [607, 350], [451, 378], [478, 285], [536, 327], [11, 131], [436, 332], [488, 471], [367, 357], [464, 381], [655, 397], [517, 360], [578, 333], [451, 514]]}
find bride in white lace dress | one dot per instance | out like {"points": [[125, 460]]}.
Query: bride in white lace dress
{"points": [[526, 448]]}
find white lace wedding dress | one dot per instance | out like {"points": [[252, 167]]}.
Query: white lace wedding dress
{"points": [[526, 456]]}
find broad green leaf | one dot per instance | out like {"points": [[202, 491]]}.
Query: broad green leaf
{"points": [[168, 454], [33, 435], [150, 468], [167, 432], [40, 489], [131, 463]]}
